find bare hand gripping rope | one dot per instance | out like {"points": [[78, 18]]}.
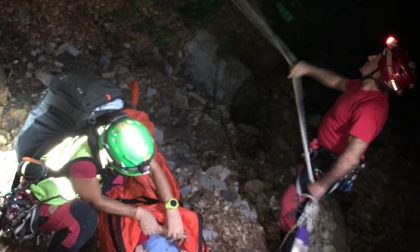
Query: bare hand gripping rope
{"points": [[261, 24]]}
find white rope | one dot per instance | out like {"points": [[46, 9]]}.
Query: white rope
{"points": [[261, 24]]}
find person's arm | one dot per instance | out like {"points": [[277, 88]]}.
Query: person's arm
{"points": [[174, 221], [346, 161], [89, 190], [326, 77]]}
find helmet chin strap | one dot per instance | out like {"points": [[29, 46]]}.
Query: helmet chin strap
{"points": [[370, 75], [381, 85], [389, 67]]}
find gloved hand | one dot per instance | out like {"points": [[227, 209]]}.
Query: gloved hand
{"points": [[31, 171]]}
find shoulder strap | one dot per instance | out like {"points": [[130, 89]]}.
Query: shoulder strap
{"points": [[93, 136], [141, 199], [93, 145], [116, 232]]}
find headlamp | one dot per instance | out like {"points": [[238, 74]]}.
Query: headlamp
{"points": [[391, 41]]}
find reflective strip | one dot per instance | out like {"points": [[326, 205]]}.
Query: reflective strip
{"points": [[112, 105], [69, 149], [54, 191]]}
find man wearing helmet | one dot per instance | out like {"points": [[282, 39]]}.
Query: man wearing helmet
{"points": [[359, 114], [351, 124], [124, 146]]}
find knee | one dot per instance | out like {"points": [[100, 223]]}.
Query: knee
{"points": [[85, 215]]}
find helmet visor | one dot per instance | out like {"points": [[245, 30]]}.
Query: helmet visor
{"points": [[142, 169]]}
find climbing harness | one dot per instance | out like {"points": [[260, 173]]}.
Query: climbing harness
{"points": [[19, 212]]}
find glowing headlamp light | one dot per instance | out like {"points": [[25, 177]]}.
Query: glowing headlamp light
{"points": [[391, 41]]}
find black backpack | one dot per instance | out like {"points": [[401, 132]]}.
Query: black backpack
{"points": [[82, 93], [73, 102], [68, 107]]}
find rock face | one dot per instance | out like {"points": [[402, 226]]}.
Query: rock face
{"points": [[218, 77], [4, 90], [184, 113], [329, 232], [229, 133]]}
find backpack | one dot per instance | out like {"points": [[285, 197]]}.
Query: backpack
{"points": [[72, 102]]}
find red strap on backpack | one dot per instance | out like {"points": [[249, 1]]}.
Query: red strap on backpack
{"points": [[135, 93]]}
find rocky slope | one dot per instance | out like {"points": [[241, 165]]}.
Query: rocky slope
{"points": [[223, 108]]}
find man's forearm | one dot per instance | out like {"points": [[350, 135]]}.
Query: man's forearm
{"points": [[328, 78], [337, 172], [89, 190], [112, 206], [340, 169], [160, 181], [344, 164]]}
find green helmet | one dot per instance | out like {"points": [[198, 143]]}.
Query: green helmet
{"points": [[130, 146]]}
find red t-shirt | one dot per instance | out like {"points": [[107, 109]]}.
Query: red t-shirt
{"points": [[358, 113], [85, 169], [82, 169]]}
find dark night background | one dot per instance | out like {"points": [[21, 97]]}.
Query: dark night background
{"points": [[339, 35]]}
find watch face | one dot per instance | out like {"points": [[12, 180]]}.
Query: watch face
{"points": [[173, 203]]}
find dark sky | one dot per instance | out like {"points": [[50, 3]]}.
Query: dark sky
{"points": [[340, 34], [329, 29]]}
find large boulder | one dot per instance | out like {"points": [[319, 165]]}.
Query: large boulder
{"points": [[216, 76]]}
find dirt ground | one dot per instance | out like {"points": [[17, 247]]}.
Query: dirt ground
{"points": [[381, 213]]}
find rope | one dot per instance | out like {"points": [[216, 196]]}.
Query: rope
{"points": [[287, 235], [306, 215], [256, 18]]}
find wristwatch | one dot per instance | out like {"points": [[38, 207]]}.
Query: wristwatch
{"points": [[171, 203]]}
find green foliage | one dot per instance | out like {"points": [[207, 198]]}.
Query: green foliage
{"points": [[127, 13], [144, 3], [161, 34], [200, 12], [140, 3]]}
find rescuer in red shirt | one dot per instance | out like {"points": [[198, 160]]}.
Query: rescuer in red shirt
{"points": [[359, 114], [351, 124]]}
